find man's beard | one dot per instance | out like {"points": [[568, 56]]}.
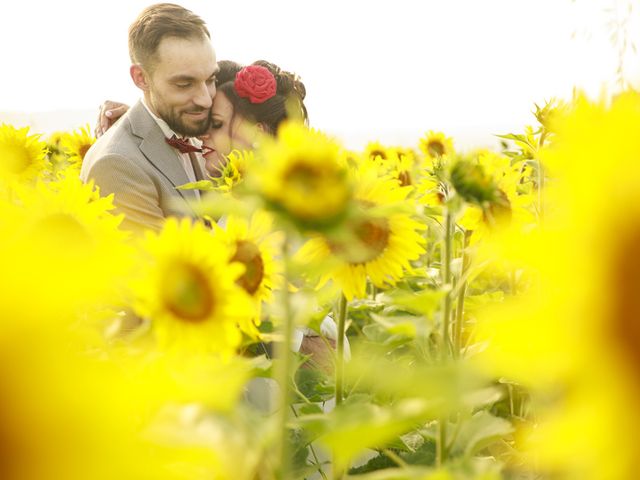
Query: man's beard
{"points": [[176, 124]]}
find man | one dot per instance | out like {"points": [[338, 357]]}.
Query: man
{"points": [[174, 65]]}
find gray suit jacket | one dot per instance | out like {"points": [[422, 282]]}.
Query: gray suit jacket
{"points": [[133, 161]]}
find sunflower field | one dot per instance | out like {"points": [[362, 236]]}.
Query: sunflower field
{"points": [[402, 312]]}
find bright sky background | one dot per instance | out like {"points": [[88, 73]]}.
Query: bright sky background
{"points": [[374, 70]]}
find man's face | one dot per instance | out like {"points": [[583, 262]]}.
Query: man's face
{"points": [[182, 84]]}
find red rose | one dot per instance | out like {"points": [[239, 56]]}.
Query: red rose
{"points": [[256, 83]]}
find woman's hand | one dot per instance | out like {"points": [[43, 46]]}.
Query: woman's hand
{"points": [[110, 111]]}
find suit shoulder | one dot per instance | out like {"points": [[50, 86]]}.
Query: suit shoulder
{"points": [[118, 145]]}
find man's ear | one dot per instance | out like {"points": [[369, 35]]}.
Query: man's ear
{"points": [[139, 77], [262, 127]]}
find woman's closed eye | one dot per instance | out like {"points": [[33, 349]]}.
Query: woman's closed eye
{"points": [[216, 124]]}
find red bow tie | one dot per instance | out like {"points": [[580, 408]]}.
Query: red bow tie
{"points": [[184, 146]]}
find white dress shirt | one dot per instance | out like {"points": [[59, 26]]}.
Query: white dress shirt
{"points": [[183, 157]]}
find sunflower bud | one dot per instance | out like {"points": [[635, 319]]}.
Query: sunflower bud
{"points": [[472, 183]]}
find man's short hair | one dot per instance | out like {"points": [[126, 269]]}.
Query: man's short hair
{"points": [[160, 21]]}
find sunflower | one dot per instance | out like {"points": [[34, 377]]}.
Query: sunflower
{"points": [[573, 338], [435, 145], [77, 143], [61, 249], [302, 176], [499, 203], [375, 150], [188, 289], [255, 245], [377, 243], [105, 415], [395, 161], [21, 155]]}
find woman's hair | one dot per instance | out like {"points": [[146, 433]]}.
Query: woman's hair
{"points": [[287, 102]]}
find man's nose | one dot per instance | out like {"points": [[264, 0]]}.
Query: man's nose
{"points": [[204, 96]]}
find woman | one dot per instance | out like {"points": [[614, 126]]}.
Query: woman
{"points": [[250, 101]]}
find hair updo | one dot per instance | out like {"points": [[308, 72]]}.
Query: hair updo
{"points": [[287, 102]]}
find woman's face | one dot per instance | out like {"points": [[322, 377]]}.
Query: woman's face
{"points": [[228, 131]]}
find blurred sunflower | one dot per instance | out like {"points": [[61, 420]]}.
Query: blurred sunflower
{"points": [[85, 417], [302, 175], [188, 289], [77, 143], [375, 150], [22, 156], [574, 337], [397, 162], [435, 145], [61, 248], [378, 242], [255, 245]]}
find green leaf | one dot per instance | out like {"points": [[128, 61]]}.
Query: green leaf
{"points": [[314, 384], [204, 185], [310, 409], [480, 431], [410, 473], [445, 387], [357, 425], [483, 397], [424, 303], [402, 326]]}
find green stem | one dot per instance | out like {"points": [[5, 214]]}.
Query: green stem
{"points": [[447, 248], [447, 254], [457, 334], [342, 316], [283, 376], [397, 459]]}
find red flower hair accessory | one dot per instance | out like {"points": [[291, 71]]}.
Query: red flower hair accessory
{"points": [[256, 83]]}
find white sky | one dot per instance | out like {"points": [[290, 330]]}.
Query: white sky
{"points": [[374, 70]]}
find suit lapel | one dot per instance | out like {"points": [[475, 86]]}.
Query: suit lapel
{"points": [[154, 147]]}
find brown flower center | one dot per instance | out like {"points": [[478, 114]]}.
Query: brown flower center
{"points": [[625, 321], [303, 177], [404, 177], [249, 255], [378, 153], [83, 150], [435, 148], [369, 239], [187, 294]]}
